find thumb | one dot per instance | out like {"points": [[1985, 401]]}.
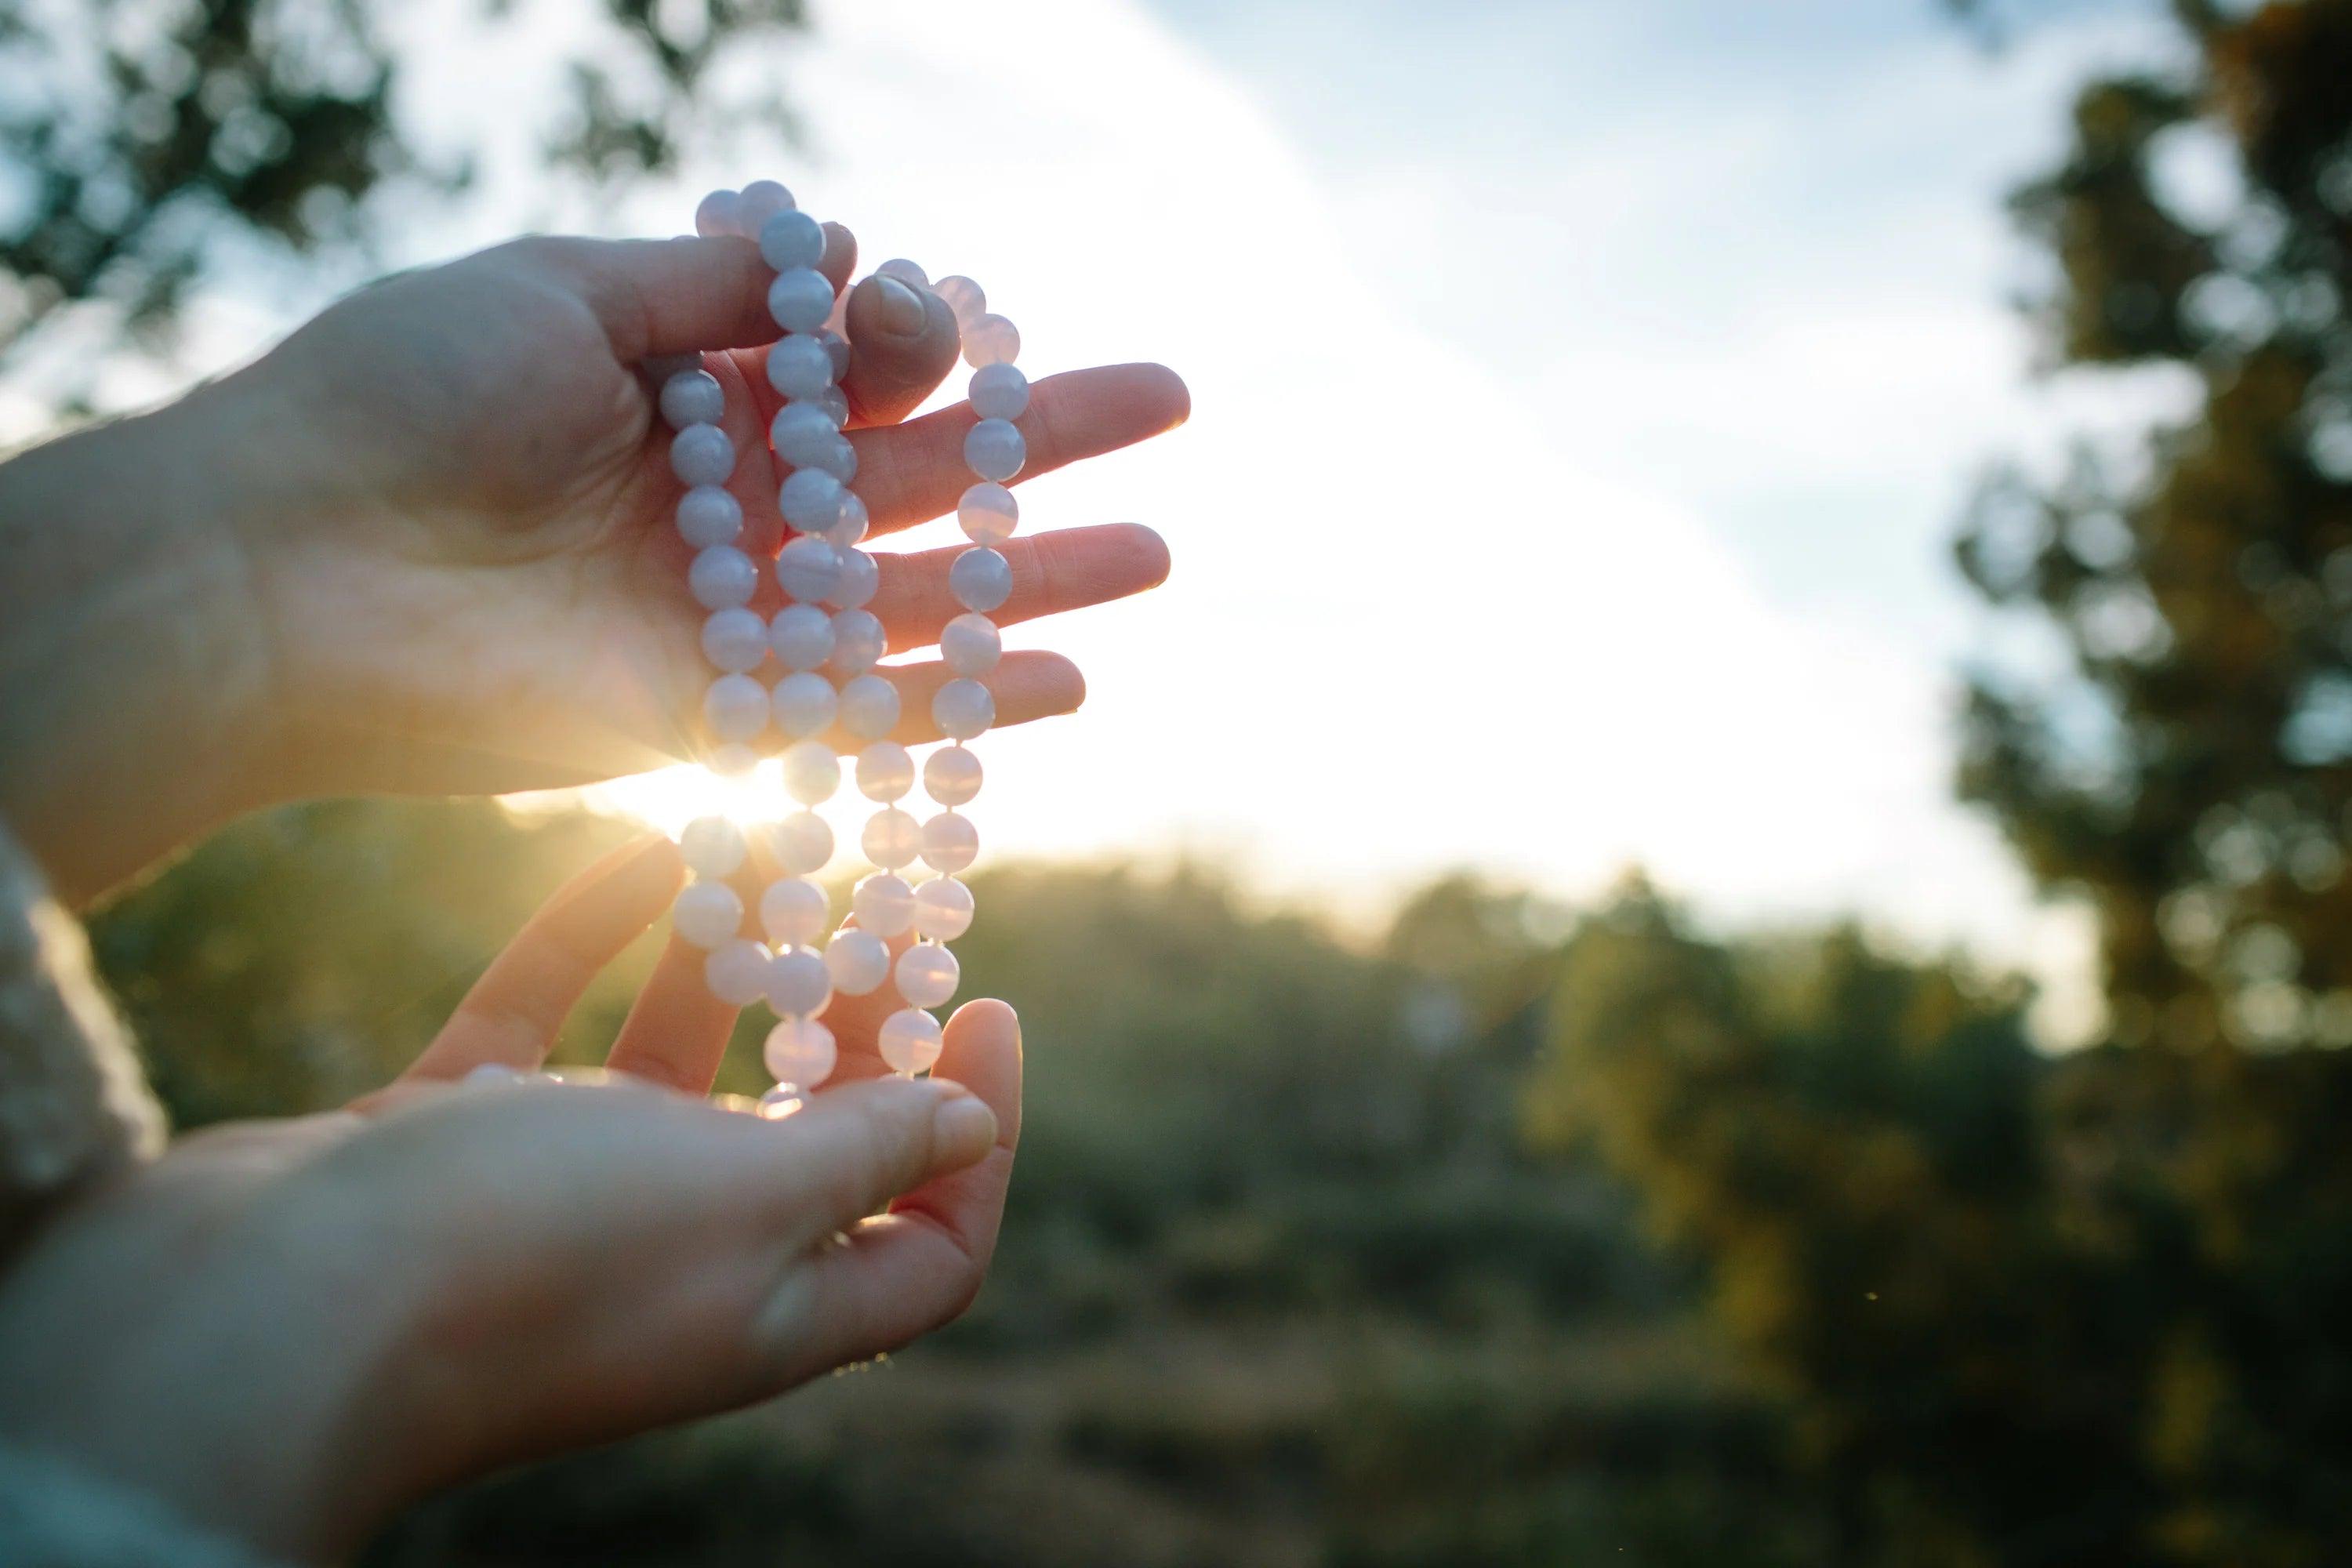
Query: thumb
{"points": [[677, 295], [857, 1147]]}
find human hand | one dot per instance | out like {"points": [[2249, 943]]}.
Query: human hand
{"points": [[287, 1330]]}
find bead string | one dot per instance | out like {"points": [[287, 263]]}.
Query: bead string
{"points": [[825, 632]]}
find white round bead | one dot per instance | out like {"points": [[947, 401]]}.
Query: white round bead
{"points": [[806, 567], [858, 641], [708, 913], [756, 205], [800, 1052], [785, 1100], [835, 402], [951, 842], [701, 455], [735, 639], [860, 576], [849, 527], [970, 644], [927, 974], [800, 299], [721, 578], [716, 214], [802, 433], [908, 1041], [942, 908], [858, 961], [998, 391], [801, 635], [737, 972], [801, 843], [732, 761], [799, 367], [793, 911], [963, 708], [883, 904], [839, 458], [904, 270], [963, 296], [951, 777], [805, 704], [987, 513], [693, 397], [838, 347], [994, 449], [891, 839], [790, 239], [990, 339], [798, 986], [870, 707], [713, 846], [735, 708], [812, 771], [980, 578], [810, 500], [709, 515], [885, 771]]}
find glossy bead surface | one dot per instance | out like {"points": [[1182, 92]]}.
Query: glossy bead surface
{"points": [[994, 449], [891, 839], [951, 842], [716, 214], [721, 578], [803, 703], [800, 300], [707, 515], [737, 972], [980, 578], [708, 913], [987, 513], [800, 1052], [998, 391], [694, 397], [849, 527], [884, 904], [858, 961], [942, 908], [908, 1041], [756, 205], [870, 707], [701, 455], [963, 708], [860, 576], [970, 644], [798, 986], [965, 297], [904, 270], [735, 708], [802, 433], [713, 846], [951, 777], [885, 772], [793, 911], [812, 771], [927, 974], [838, 347], [835, 403], [801, 635], [789, 239], [799, 367], [810, 500], [806, 567], [735, 639], [988, 339], [858, 642], [802, 843]]}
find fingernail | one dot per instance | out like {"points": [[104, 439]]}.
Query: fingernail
{"points": [[901, 310], [962, 1132]]}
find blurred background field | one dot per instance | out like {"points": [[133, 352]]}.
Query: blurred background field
{"points": [[1779, 996]]}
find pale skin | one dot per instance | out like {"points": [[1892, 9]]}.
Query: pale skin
{"points": [[423, 545]]}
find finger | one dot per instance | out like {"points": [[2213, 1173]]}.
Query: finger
{"points": [[515, 1010], [903, 341], [909, 473], [861, 1146], [1064, 570], [1027, 685]]}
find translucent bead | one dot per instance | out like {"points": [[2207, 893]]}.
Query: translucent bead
{"points": [[904, 270], [838, 347], [713, 846], [798, 985], [908, 1041], [693, 398], [994, 449], [793, 911], [990, 339], [737, 972], [721, 578], [891, 839], [810, 500], [801, 635], [987, 513], [708, 913], [716, 214], [869, 708], [701, 455], [835, 402], [732, 761], [800, 1052], [812, 771], [858, 961], [799, 367], [839, 458], [951, 777], [858, 642], [951, 842], [801, 843], [927, 974], [980, 578], [849, 528], [735, 639], [790, 239], [963, 296], [942, 908], [883, 904], [802, 433], [800, 299], [963, 708], [758, 205], [860, 576], [885, 771], [803, 703], [970, 644], [707, 515], [998, 391], [785, 1100], [735, 708], [806, 567]]}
